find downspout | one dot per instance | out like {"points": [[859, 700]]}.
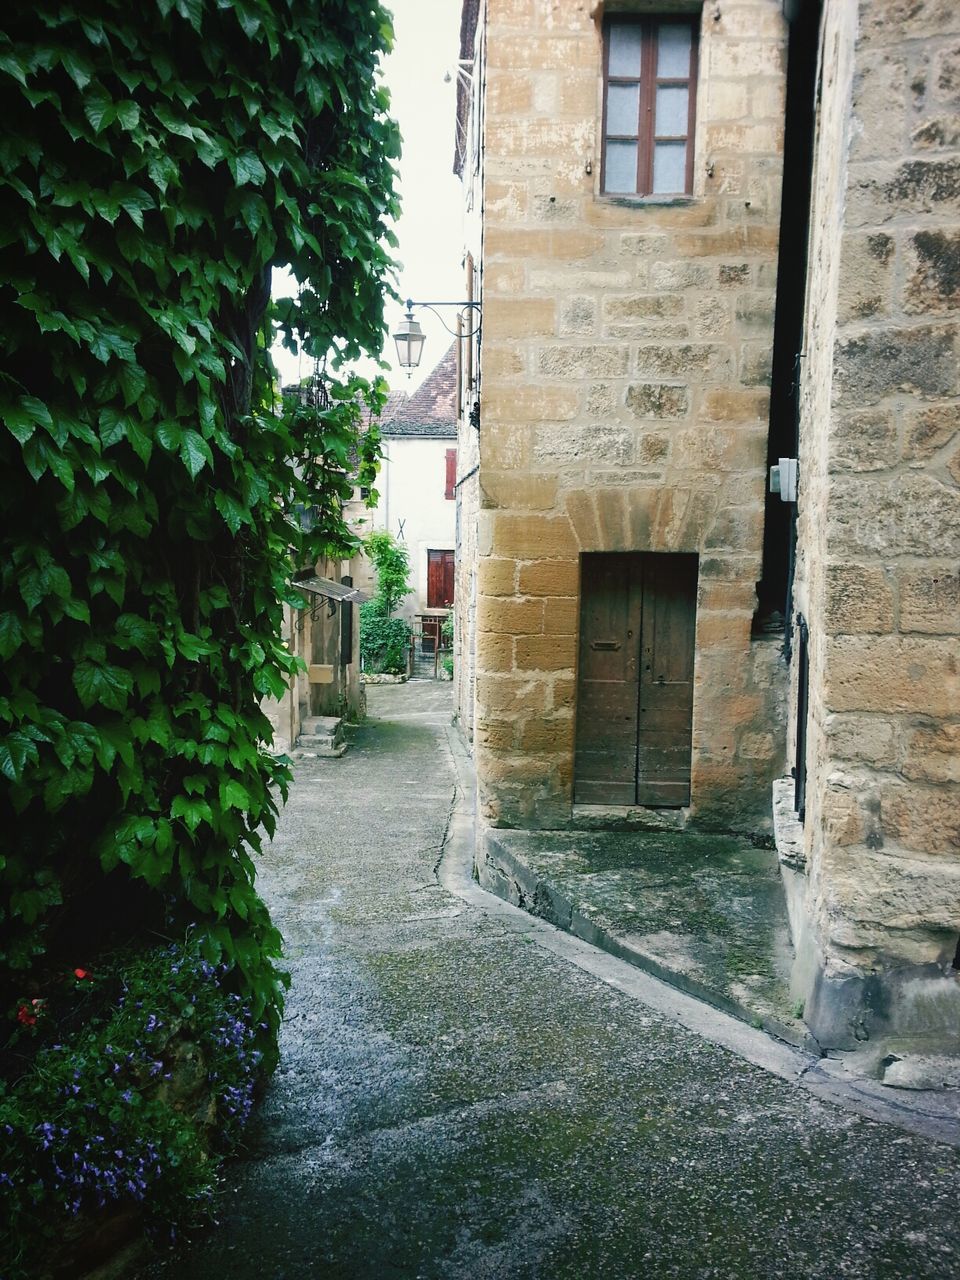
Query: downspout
{"points": [[775, 589]]}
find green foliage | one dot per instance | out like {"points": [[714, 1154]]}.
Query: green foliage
{"points": [[446, 643], [158, 160], [142, 1066], [384, 641], [392, 563]]}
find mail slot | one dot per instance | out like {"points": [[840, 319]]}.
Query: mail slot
{"points": [[606, 645]]}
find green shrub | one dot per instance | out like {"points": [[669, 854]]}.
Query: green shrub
{"points": [[139, 1077], [392, 563], [384, 641]]}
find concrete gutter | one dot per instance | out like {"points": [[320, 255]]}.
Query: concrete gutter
{"points": [[931, 1114]]}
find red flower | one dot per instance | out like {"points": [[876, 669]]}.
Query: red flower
{"points": [[27, 1014], [80, 974]]}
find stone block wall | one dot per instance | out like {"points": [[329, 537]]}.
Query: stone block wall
{"points": [[879, 518], [625, 395]]}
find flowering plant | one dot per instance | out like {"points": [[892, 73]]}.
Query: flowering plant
{"points": [[131, 1109]]}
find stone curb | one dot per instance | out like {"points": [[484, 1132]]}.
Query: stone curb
{"points": [[496, 865]]}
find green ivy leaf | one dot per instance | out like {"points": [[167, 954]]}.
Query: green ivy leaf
{"points": [[128, 113], [233, 513], [169, 436], [245, 168], [23, 418], [16, 752], [134, 632], [99, 109], [195, 452], [108, 686], [193, 812], [233, 795], [11, 635]]}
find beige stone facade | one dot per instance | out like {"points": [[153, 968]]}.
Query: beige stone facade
{"points": [[625, 393], [879, 523], [625, 371]]}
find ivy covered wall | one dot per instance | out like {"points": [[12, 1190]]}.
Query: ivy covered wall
{"points": [[157, 161]]}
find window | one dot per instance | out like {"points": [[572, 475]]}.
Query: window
{"points": [[440, 579], [450, 488], [649, 100]]}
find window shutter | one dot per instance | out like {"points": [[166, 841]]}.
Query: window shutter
{"points": [[451, 487]]}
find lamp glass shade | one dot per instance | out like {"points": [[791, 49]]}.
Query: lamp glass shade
{"points": [[409, 338]]}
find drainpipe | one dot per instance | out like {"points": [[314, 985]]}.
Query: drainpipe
{"points": [[775, 589]]}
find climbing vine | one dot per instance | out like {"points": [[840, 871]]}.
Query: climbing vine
{"points": [[157, 161]]}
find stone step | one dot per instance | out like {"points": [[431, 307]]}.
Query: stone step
{"points": [[322, 736], [322, 724]]}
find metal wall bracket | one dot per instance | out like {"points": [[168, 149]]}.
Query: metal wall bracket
{"points": [[783, 479]]}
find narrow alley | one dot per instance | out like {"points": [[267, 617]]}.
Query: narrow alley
{"points": [[457, 1099]]}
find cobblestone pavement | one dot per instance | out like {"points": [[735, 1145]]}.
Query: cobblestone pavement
{"points": [[457, 1099]]}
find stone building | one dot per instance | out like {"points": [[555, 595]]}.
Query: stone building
{"points": [[710, 237], [878, 537], [325, 635]]}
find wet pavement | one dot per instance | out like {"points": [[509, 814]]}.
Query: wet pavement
{"points": [[466, 1093]]}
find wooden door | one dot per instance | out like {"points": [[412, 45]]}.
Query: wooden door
{"points": [[440, 579], [665, 721], [635, 679]]}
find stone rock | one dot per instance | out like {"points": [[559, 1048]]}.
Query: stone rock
{"points": [[934, 283], [656, 400], [871, 365]]}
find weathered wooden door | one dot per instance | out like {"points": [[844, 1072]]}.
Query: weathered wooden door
{"points": [[635, 679]]}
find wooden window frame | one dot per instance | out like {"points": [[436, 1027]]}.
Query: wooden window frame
{"points": [[645, 137], [450, 474]]}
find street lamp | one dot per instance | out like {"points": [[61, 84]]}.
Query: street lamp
{"points": [[410, 338]]}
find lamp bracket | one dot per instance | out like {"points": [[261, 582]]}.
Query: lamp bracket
{"points": [[463, 308]]}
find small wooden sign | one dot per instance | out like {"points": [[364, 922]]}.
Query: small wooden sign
{"points": [[320, 673]]}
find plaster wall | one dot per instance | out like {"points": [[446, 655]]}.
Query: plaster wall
{"points": [[879, 522], [412, 507], [625, 395]]}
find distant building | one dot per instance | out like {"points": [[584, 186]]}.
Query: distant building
{"points": [[326, 636], [417, 490], [711, 237]]}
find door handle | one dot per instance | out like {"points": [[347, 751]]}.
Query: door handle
{"points": [[606, 645]]}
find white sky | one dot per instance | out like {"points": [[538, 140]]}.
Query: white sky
{"points": [[430, 229]]}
